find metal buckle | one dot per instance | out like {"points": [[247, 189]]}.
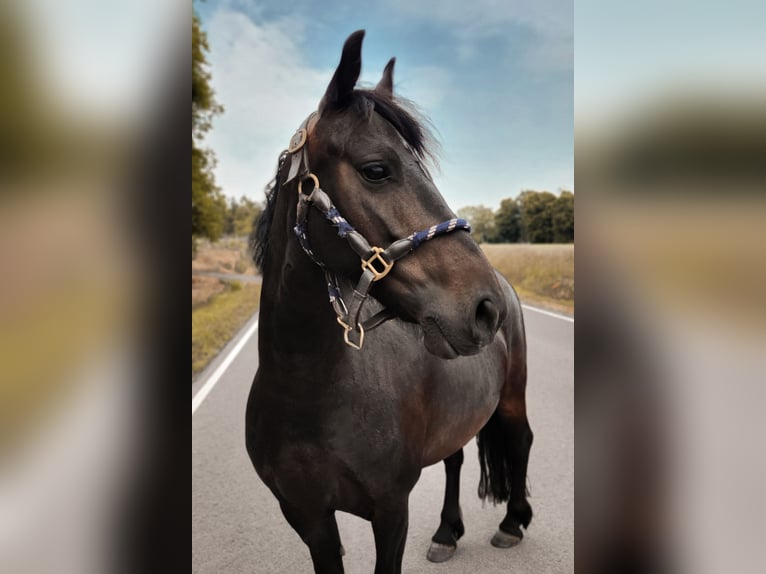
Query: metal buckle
{"points": [[376, 256], [347, 330], [298, 140], [300, 185]]}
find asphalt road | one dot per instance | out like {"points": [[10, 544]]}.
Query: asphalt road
{"points": [[237, 526]]}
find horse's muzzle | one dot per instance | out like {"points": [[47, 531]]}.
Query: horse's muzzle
{"points": [[486, 322], [450, 337]]}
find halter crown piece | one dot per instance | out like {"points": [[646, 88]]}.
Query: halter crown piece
{"points": [[376, 261]]}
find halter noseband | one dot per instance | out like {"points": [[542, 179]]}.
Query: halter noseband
{"points": [[376, 261]]}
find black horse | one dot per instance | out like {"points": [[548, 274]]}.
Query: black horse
{"points": [[340, 418]]}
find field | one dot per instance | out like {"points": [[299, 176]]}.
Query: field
{"points": [[217, 320], [541, 274], [220, 307], [229, 255]]}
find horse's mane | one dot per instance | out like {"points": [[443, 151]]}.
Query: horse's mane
{"points": [[399, 112], [259, 236]]}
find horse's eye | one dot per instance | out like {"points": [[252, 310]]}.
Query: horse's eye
{"points": [[375, 172]]}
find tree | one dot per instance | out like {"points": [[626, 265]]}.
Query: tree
{"points": [[240, 216], [537, 215], [208, 203], [563, 218], [482, 221], [33, 133], [508, 228]]}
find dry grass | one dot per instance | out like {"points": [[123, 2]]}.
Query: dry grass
{"points": [[220, 308], [229, 255], [699, 261], [204, 288], [43, 350], [68, 295], [541, 274], [215, 322]]}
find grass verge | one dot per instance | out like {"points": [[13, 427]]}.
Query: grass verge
{"points": [[541, 274], [217, 321]]}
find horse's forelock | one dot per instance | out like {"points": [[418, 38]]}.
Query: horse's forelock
{"points": [[403, 116]]}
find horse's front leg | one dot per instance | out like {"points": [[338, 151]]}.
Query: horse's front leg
{"points": [[389, 525], [444, 541], [319, 530]]}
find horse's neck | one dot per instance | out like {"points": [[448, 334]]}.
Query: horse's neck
{"points": [[296, 316]]}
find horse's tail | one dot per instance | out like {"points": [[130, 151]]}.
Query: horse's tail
{"points": [[506, 439], [495, 480]]}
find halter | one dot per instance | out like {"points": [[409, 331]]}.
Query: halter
{"points": [[376, 262]]}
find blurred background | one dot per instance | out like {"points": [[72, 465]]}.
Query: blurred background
{"points": [[670, 146], [88, 198]]}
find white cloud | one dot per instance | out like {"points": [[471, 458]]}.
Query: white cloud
{"points": [[86, 52], [483, 17], [550, 20], [266, 89], [554, 54], [427, 86]]}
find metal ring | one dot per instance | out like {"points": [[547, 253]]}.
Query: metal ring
{"points": [[309, 176]]}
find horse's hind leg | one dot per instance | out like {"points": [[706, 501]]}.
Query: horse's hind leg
{"points": [[444, 541], [504, 445], [319, 530], [518, 511]]}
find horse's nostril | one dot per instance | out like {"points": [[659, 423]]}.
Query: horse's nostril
{"points": [[487, 317]]}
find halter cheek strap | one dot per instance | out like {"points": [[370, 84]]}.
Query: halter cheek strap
{"points": [[376, 262], [297, 150]]}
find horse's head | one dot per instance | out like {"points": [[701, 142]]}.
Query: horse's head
{"points": [[368, 152]]}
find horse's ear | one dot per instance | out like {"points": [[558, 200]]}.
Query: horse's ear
{"points": [[341, 86], [386, 84]]}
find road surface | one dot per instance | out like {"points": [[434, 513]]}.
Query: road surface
{"points": [[237, 526]]}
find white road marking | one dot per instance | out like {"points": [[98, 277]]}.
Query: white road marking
{"points": [[215, 377], [550, 313]]}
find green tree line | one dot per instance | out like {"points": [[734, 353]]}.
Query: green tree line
{"points": [[208, 203], [532, 217], [239, 216]]}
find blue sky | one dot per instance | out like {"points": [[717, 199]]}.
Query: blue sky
{"points": [[632, 56], [495, 78]]}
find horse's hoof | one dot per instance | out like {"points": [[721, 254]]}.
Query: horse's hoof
{"points": [[342, 550], [440, 552], [504, 540]]}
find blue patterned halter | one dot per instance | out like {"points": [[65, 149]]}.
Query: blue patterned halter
{"points": [[376, 261]]}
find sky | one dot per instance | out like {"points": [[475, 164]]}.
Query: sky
{"points": [[102, 60], [633, 55], [494, 77]]}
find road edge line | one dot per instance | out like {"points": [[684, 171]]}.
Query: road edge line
{"points": [[549, 313], [213, 379]]}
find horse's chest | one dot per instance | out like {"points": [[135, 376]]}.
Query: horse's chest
{"points": [[343, 417], [349, 447]]}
